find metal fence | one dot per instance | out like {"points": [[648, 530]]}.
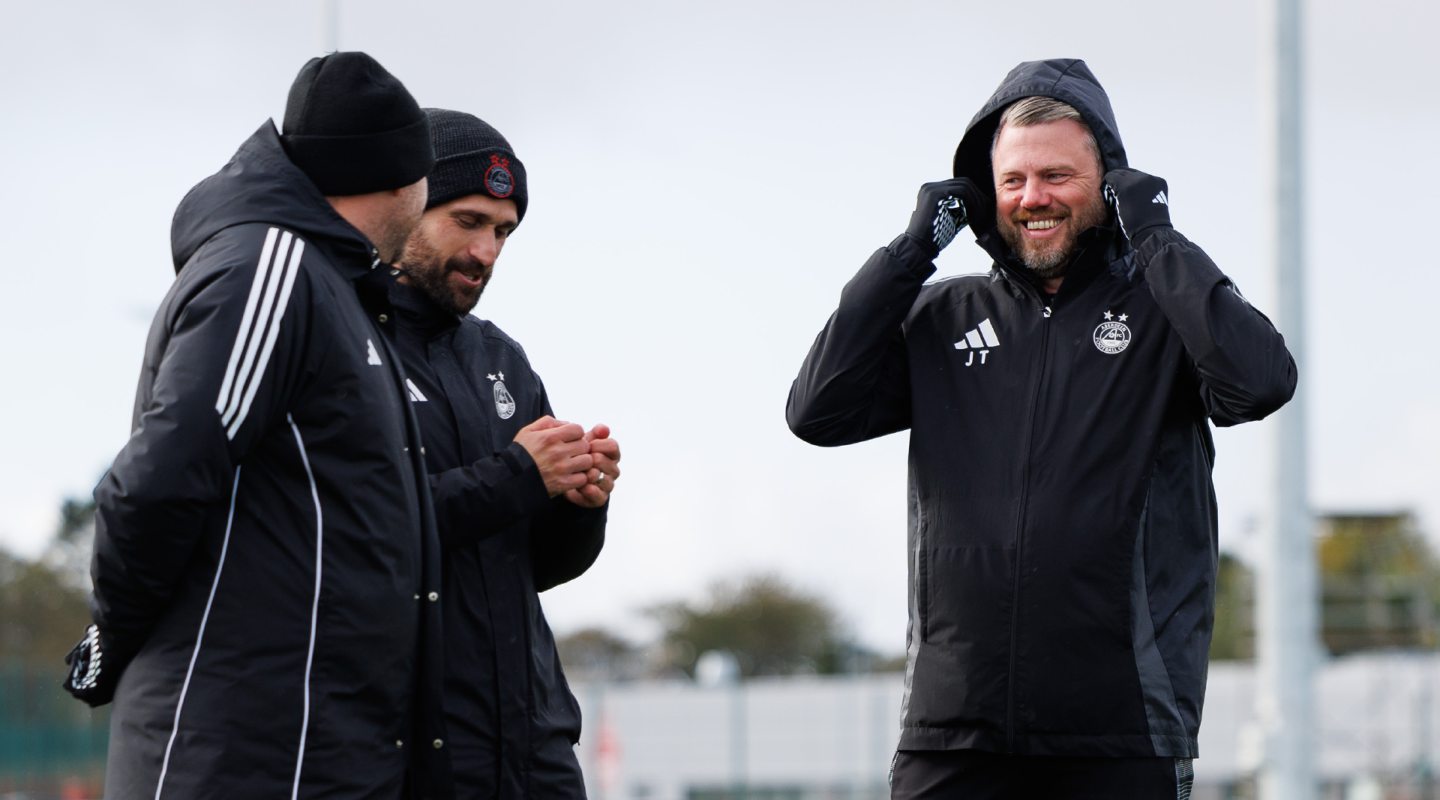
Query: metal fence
{"points": [[51, 747]]}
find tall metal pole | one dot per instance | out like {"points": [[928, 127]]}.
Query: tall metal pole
{"points": [[330, 9], [1288, 630]]}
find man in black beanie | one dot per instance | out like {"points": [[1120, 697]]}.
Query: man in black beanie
{"points": [[520, 497], [266, 562]]}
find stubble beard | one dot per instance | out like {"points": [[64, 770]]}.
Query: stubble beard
{"points": [[1048, 260], [404, 220], [392, 240]]}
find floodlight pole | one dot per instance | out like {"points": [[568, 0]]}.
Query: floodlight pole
{"points": [[330, 9], [1288, 641]]}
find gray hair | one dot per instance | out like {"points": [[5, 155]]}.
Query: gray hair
{"points": [[1038, 110]]}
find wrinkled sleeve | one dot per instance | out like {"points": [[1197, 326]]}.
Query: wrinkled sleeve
{"points": [[1244, 368], [478, 500], [854, 383], [223, 360], [565, 539], [565, 542]]}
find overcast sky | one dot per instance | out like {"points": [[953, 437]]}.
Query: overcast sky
{"points": [[703, 181]]}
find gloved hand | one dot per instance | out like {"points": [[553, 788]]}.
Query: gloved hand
{"points": [[1140, 201], [87, 680], [943, 208]]}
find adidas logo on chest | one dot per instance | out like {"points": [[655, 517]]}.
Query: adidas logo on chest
{"points": [[978, 342]]}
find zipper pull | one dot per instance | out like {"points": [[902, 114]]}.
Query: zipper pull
{"points": [[1046, 311]]}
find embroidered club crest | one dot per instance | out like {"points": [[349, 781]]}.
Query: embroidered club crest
{"points": [[498, 180], [504, 402], [1113, 335]]}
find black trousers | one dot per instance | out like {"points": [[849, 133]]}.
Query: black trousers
{"points": [[976, 775]]}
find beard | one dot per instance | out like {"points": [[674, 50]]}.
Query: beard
{"points": [[1049, 259], [425, 270]]}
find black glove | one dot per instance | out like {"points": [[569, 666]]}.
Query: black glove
{"points": [[943, 208], [87, 680], [1140, 201]]}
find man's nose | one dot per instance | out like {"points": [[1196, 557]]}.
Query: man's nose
{"points": [[484, 247], [1036, 195]]}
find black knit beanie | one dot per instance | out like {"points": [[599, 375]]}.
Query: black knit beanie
{"points": [[473, 158], [353, 128]]}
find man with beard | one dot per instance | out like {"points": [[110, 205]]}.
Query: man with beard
{"points": [[1062, 522], [520, 497], [265, 537]]}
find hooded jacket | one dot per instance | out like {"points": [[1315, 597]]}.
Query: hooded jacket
{"points": [[1062, 519], [265, 544], [512, 719]]}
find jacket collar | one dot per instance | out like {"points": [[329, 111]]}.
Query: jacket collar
{"points": [[1098, 249], [419, 312]]}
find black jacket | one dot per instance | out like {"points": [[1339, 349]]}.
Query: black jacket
{"points": [[1061, 512], [512, 719], [264, 541]]}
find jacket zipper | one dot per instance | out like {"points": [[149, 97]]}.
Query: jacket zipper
{"points": [[1046, 311]]}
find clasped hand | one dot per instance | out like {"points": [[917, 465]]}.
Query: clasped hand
{"points": [[579, 464]]}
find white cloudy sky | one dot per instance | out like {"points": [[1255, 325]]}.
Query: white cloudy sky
{"points": [[704, 178]]}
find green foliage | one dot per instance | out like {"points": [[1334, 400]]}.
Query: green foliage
{"points": [[769, 626], [1234, 635], [1380, 583], [43, 616], [1362, 545], [596, 653], [47, 738], [44, 604], [77, 519]]}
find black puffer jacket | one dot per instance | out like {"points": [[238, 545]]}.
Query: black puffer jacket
{"points": [[513, 722], [1061, 512], [264, 541]]}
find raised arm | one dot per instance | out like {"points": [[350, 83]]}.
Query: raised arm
{"points": [[1244, 368], [854, 384]]}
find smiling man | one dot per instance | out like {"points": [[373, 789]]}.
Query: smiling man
{"points": [[1062, 537], [520, 497]]}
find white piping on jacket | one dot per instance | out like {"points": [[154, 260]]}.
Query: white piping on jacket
{"points": [[314, 606], [200, 636]]}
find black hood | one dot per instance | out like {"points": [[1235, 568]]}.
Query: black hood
{"points": [[261, 185], [1065, 79]]}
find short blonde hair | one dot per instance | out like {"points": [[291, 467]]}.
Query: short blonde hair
{"points": [[1038, 110]]}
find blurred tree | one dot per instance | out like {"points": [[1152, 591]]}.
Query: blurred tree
{"points": [[598, 654], [42, 616], [1380, 583], [769, 626], [43, 604], [1234, 635], [69, 552], [44, 734], [1362, 545]]}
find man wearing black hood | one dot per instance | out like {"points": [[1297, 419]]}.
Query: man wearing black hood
{"points": [[521, 498], [1062, 523], [266, 561]]}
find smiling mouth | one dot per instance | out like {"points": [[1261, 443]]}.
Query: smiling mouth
{"points": [[472, 280], [1041, 224]]}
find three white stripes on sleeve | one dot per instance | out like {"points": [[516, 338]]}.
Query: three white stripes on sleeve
{"points": [[259, 326]]}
